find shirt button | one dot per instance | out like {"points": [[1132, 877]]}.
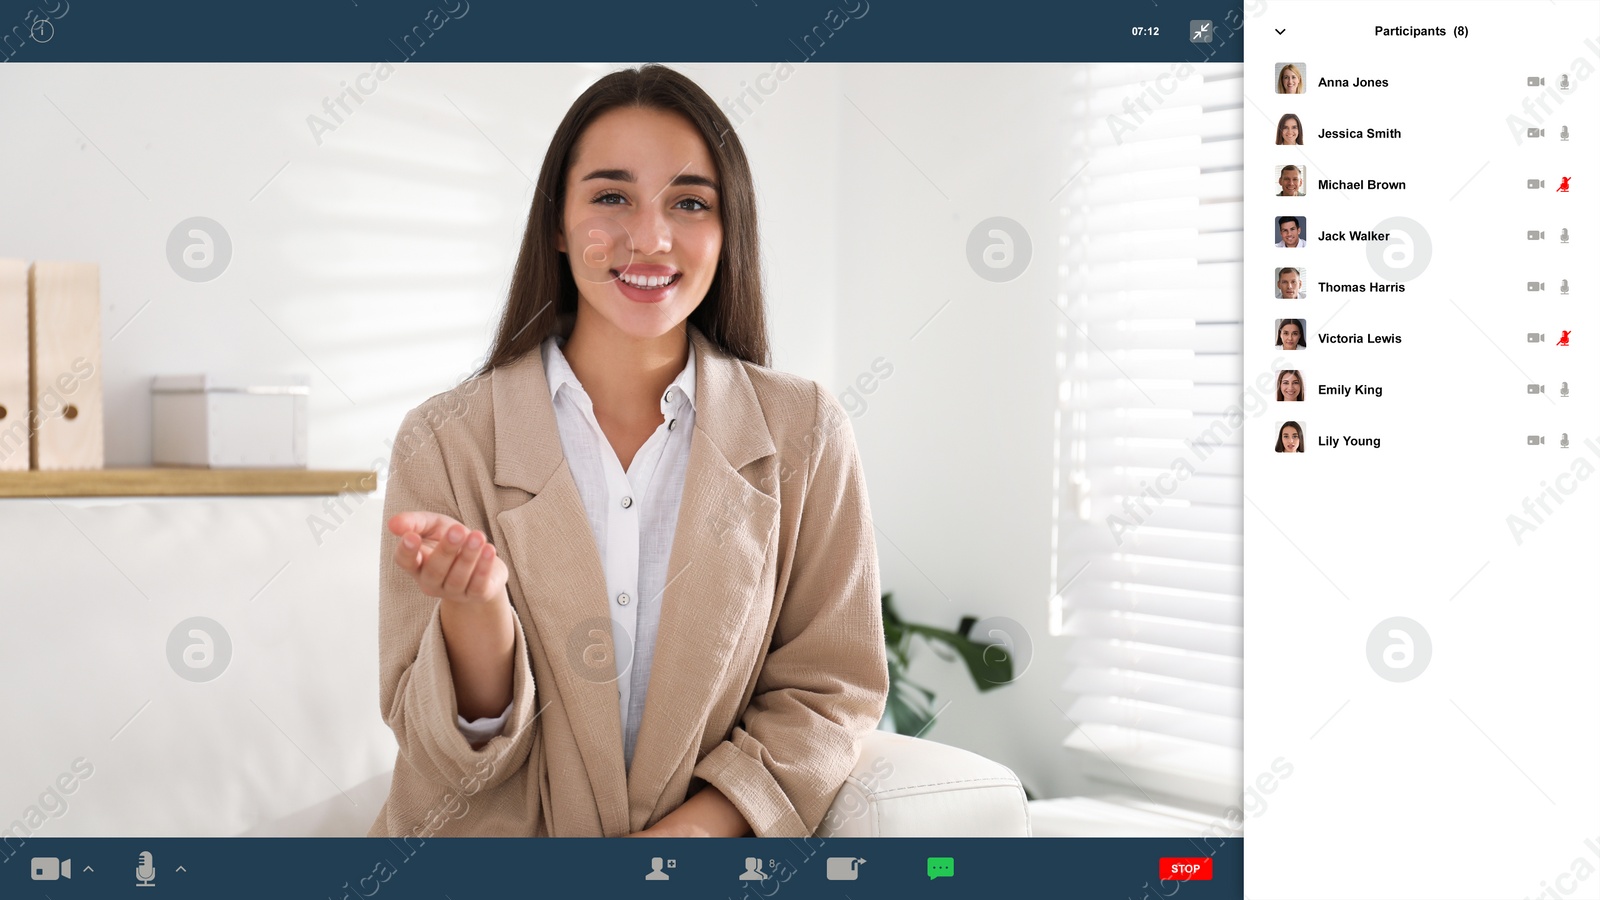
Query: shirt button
{"points": [[622, 599], [627, 502], [672, 423], [668, 397]]}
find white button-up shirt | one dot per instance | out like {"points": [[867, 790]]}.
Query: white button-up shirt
{"points": [[633, 515]]}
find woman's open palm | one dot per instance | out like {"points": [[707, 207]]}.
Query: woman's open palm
{"points": [[447, 559]]}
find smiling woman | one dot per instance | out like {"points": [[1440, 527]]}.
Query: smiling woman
{"points": [[658, 208], [630, 503]]}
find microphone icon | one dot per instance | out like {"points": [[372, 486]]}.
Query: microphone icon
{"points": [[146, 872]]}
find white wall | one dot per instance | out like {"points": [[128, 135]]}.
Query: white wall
{"points": [[376, 263], [380, 258], [957, 443]]}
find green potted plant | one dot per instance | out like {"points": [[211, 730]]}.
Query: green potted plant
{"points": [[910, 706]]}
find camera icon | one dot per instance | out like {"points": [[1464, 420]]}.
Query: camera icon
{"points": [[50, 868]]}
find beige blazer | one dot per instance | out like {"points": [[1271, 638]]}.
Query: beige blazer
{"points": [[769, 662]]}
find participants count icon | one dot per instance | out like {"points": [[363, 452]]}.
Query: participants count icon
{"points": [[752, 870]]}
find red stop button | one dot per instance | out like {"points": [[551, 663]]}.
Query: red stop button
{"points": [[1185, 868]]}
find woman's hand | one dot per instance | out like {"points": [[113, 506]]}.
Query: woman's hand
{"points": [[708, 813], [448, 560], [461, 568]]}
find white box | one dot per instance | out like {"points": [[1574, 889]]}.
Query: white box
{"points": [[223, 422]]}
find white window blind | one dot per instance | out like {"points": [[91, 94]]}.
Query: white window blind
{"points": [[1149, 486]]}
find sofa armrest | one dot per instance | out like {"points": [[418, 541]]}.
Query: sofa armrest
{"points": [[908, 787]]}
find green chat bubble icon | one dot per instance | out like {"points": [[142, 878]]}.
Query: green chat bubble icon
{"points": [[941, 867]]}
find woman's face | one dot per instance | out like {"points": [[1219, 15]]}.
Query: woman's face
{"points": [[1290, 386], [1289, 335], [1291, 439], [1290, 133], [642, 221], [1290, 81]]}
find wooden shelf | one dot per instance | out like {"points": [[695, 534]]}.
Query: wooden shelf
{"points": [[180, 482]]}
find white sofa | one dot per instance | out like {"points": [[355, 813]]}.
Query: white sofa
{"points": [[901, 787], [908, 787]]}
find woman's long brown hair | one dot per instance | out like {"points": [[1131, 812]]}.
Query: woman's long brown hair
{"points": [[543, 299]]}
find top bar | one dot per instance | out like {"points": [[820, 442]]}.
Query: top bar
{"points": [[700, 31]]}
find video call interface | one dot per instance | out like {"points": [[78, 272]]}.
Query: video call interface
{"points": [[863, 450]]}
